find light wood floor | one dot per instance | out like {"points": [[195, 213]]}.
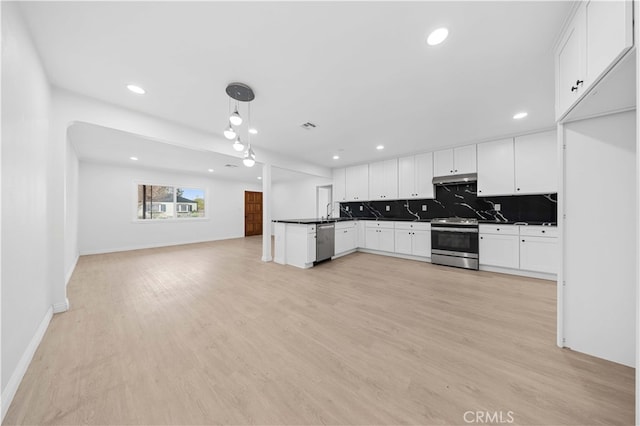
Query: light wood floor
{"points": [[208, 334]]}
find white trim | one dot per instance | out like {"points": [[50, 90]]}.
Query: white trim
{"points": [[61, 307], [149, 246], [18, 374], [392, 254], [520, 272]]}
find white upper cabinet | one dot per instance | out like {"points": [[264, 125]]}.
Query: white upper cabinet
{"points": [[415, 176], [496, 168], [609, 33], [339, 190], [536, 163], [597, 36], [383, 180], [357, 183], [456, 161]]}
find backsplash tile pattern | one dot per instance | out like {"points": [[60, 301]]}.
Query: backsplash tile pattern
{"points": [[460, 201]]}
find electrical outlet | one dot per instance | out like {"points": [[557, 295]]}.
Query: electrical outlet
{"points": [[347, 208], [424, 207], [388, 208], [497, 207], [361, 208]]}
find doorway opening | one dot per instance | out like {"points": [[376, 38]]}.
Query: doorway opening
{"points": [[252, 213], [324, 201]]}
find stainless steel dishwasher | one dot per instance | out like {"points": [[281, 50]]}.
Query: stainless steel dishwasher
{"points": [[325, 241]]}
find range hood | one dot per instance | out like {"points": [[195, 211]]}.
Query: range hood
{"points": [[455, 179]]}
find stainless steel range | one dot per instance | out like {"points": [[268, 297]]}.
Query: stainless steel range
{"points": [[454, 242]]}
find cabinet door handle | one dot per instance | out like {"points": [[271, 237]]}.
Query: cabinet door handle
{"points": [[543, 231], [456, 170], [482, 238], [579, 82], [518, 189], [523, 241], [574, 88]]}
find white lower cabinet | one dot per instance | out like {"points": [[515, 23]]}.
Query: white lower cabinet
{"points": [[499, 246], [526, 248], [539, 249], [413, 238], [346, 237], [311, 244], [379, 236]]}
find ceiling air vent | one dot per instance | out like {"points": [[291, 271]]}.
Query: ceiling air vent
{"points": [[308, 125], [231, 165]]}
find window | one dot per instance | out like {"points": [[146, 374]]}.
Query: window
{"points": [[168, 202]]}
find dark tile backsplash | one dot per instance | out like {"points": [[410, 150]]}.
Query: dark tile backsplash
{"points": [[460, 201]]}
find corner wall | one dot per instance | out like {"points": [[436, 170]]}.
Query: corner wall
{"points": [[26, 256]]}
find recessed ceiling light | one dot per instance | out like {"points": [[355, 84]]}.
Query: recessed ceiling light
{"points": [[133, 158], [379, 147], [210, 170], [259, 177], [520, 115], [253, 131], [136, 89], [437, 36], [336, 157]]}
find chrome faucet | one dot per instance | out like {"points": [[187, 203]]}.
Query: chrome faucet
{"points": [[329, 208]]}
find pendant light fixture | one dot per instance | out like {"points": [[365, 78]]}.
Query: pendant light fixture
{"points": [[229, 133], [249, 157], [240, 92], [238, 145], [235, 118]]}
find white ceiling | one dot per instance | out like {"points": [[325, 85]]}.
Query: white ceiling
{"points": [[361, 71], [103, 145]]}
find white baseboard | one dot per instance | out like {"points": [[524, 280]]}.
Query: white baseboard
{"points": [[61, 307], [15, 379], [149, 246], [520, 272]]}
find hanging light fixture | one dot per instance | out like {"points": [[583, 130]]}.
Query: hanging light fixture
{"points": [[235, 118], [249, 157], [240, 92], [238, 145], [229, 133]]}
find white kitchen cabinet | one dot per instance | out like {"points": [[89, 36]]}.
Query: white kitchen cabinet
{"points": [[415, 176], [379, 236], [361, 234], [499, 246], [536, 163], [413, 238], [311, 244], [339, 189], [357, 183], [456, 161], [597, 36], [570, 64], [383, 180], [496, 172], [346, 237], [609, 34], [539, 249], [295, 244]]}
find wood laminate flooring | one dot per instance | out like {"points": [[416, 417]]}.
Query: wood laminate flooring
{"points": [[209, 334]]}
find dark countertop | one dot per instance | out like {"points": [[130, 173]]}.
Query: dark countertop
{"points": [[317, 221], [511, 222]]}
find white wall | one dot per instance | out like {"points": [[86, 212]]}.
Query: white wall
{"points": [[107, 200], [26, 203], [71, 212], [296, 199], [599, 237]]}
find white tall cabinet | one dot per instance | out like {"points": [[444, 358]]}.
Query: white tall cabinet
{"points": [[415, 176], [339, 189]]}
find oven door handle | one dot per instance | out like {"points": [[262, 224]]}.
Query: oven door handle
{"points": [[470, 231]]}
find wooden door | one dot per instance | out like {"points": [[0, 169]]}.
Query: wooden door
{"points": [[252, 213]]}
